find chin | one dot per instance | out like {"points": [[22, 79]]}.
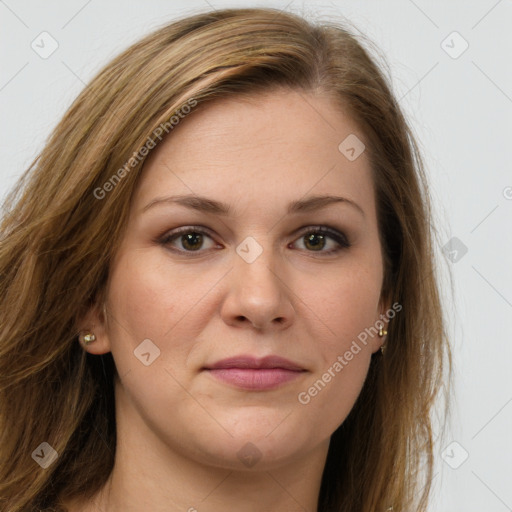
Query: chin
{"points": [[254, 446]]}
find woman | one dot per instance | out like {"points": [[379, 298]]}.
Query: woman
{"points": [[200, 273]]}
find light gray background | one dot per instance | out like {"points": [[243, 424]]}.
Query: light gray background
{"points": [[461, 111]]}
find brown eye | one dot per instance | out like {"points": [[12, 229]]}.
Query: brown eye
{"points": [[316, 239], [188, 239], [192, 241]]}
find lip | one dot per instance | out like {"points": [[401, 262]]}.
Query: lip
{"points": [[250, 362], [252, 373]]}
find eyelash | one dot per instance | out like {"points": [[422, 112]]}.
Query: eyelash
{"points": [[337, 236]]}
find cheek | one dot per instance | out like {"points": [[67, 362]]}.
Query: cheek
{"points": [[142, 306], [149, 298], [149, 295], [140, 300], [344, 306], [346, 310], [148, 313]]}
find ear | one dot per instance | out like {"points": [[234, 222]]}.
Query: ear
{"points": [[95, 321]]}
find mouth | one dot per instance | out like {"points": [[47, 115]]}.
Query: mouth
{"points": [[255, 374]]}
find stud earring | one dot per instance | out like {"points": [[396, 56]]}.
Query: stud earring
{"points": [[86, 337], [382, 333]]}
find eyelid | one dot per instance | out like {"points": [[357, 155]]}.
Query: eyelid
{"points": [[335, 234], [175, 233]]}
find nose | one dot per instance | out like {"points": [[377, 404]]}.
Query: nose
{"points": [[257, 294]]}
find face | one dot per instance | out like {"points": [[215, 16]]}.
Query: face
{"points": [[252, 266]]}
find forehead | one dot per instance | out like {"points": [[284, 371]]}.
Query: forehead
{"points": [[278, 145]]}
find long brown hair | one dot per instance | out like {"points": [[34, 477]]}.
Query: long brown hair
{"points": [[58, 237]]}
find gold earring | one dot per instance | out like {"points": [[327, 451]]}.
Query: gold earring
{"points": [[382, 333], [86, 337]]}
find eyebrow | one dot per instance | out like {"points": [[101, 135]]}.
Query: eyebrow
{"points": [[204, 204]]}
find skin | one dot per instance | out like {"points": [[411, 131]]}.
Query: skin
{"points": [[179, 429]]}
